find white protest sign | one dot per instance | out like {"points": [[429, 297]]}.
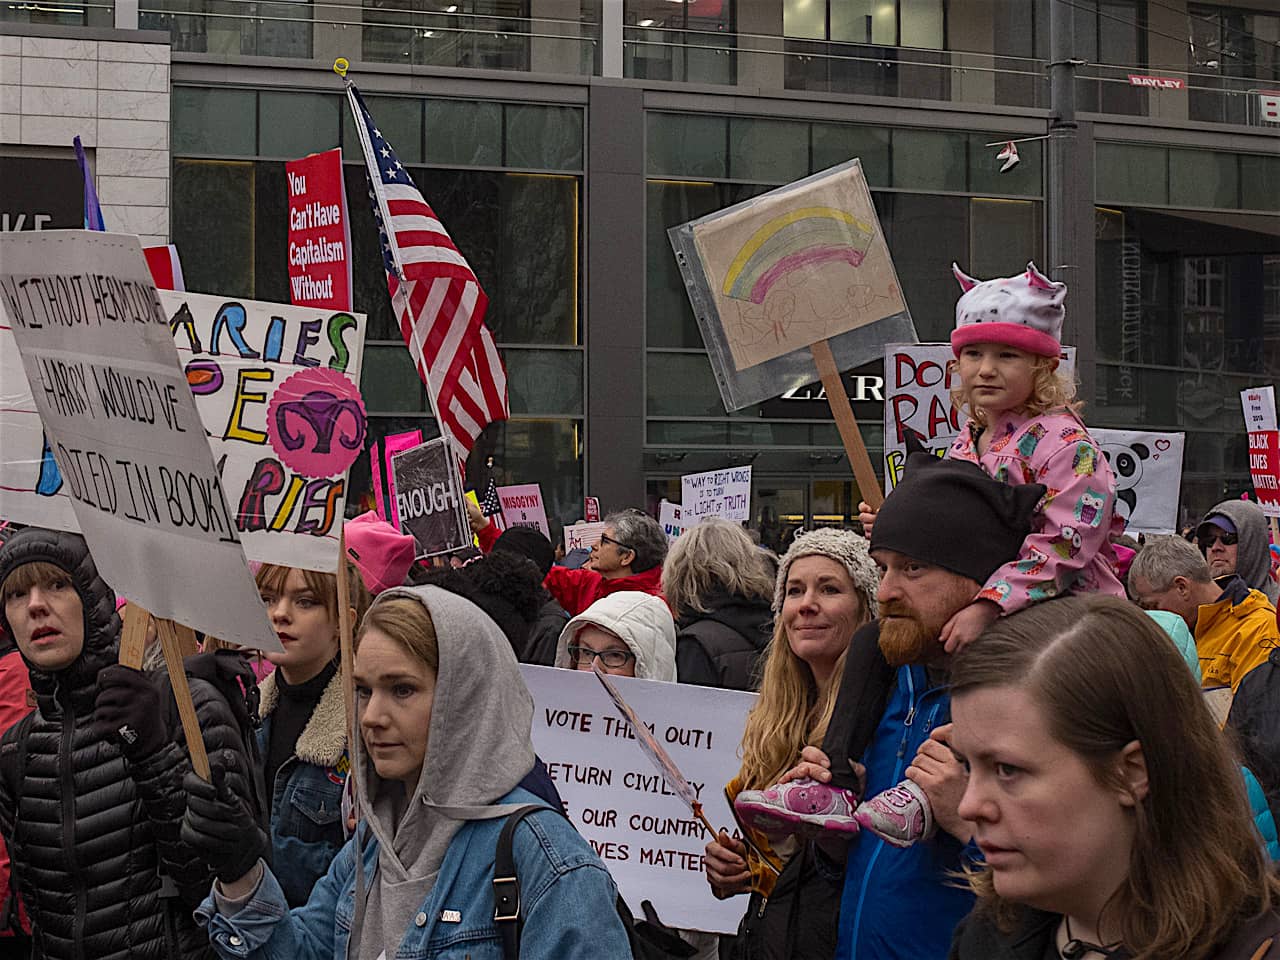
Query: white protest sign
{"points": [[582, 536], [429, 498], [278, 391], [522, 507], [651, 843], [716, 493], [123, 427], [1148, 471], [1259, 408], [670, 517], [918, 378]]}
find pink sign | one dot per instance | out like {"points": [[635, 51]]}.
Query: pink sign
{"points": [[522, 507], [316, 422], [390, 447], [319, 232]]}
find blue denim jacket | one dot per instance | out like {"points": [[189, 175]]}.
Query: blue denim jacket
{"points": [[306, 821], [568, 903]]}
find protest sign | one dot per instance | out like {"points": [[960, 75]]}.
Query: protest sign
{"points": [[1264, 447], [380, 454], [123, 427], [591, 509], [670, 517], [319, 232], [716, 493], [645, 834], [277, 389], [522, 507], [582, 536], [429, 498], [1148, 472], [1259, 405]]}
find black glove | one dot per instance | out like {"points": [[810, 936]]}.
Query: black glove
{"points": [[219, 827], [128, 712]]}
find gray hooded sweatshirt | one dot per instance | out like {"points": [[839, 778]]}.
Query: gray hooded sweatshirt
{"points": [[478, 750], [1253, 557]]}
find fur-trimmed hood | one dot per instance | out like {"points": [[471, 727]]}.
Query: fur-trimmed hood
{"points": [[324, 739]]}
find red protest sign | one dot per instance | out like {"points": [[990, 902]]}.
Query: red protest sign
{"points": [[1264, 466], [319, 232]]}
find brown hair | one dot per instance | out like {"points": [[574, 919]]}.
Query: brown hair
{"points": [[1050, 390], [1104, 675], [323, 585], [408, 623], [23, 578]]}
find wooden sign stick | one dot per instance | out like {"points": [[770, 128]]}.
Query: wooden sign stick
{"points": [[346, 645], [847, 424], [171, 644], [133, 638]]}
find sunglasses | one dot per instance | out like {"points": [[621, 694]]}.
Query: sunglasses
{"points": [[1227, 539]]}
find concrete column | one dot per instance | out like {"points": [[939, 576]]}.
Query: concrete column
{"points": [[336, 32], [973, 32], [615, 331], [1168, 17], [126, 15], [574, 54], [766, 70], [611, 52]]}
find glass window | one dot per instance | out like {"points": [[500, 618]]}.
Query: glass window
{"points": [[464, 133], [1004, 235], [1202, 178], [806, 19], [923, 23], [918, 226], [834, 143], [218, 261], [706, 433], [1260, 182], [1024, 179], [543, 138], [399, 120], [1131, 173], [389, 381], [533, 298], [681, 385], [682, 145], [928, 160], [769, 151], [295, 124], [214, 121], [669, 319], [544, 382], [864, 21]]}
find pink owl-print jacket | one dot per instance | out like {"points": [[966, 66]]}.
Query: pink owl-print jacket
{"points": [[1069, 548]]}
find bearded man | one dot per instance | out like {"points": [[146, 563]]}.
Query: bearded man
{"points": [[944, 529]]}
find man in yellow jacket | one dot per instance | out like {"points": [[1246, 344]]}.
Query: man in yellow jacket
{"points": [[1234, 626]]}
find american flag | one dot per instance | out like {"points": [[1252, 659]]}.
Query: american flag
{"points": [[436, 296], [490, 505]]}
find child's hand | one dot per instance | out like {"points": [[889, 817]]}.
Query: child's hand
{"points": [[937, 772], [967, 624], [867, 517]]}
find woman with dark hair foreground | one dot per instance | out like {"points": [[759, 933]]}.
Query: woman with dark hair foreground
{"points": [[1107, 805]]}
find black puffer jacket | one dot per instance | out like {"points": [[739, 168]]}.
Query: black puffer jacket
{"points": [[720, 648], [90, 833]]}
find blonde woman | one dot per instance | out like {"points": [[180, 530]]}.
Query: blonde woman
{"points": [[825, 591]]}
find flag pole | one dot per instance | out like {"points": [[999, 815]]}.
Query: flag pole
{"points": [[399, 301]]}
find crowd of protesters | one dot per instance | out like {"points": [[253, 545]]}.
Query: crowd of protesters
{"points": [[982, 729]]}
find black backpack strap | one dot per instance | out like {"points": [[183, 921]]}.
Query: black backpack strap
{"points": [[506, 884]]}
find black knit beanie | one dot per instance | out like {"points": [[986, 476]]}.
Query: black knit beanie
{"points": [[949, 513], [528, 542]]}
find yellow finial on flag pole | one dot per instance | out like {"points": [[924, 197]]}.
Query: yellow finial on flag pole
{"points": [[340, 67]]}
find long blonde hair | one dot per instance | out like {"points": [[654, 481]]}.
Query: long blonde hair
{"points": [[1050, 390]]}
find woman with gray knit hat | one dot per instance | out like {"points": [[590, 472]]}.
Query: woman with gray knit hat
{"points": [[825, 591]]}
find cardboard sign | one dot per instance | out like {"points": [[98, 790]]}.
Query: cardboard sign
{"points": [[918, 379], [591, 509], [522, 507], [642, 831], [582, 536], [1148, 472], [429, 498], [1259, 405], [716, 493], [277, 389], [123, 427], [319, 232], [670, 516]]}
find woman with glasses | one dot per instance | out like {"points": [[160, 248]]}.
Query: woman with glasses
{"points": [[630, 633], [628, 558]]}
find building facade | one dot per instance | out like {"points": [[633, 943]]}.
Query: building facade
{"points": [[559, 139]]}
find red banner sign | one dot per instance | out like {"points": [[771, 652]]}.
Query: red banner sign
{"points": [[1157, 83], [1264, 466], [319, 233]]}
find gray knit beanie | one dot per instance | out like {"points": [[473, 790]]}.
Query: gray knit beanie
{"points": [[844, 547]]}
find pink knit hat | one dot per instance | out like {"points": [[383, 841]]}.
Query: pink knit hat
{"points": [[383, 555], [1025, 311]]}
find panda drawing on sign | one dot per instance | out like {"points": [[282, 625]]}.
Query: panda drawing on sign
{"points": [[1126, 463]]}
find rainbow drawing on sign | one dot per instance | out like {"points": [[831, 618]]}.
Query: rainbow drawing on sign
{"points": [[799, 238]]}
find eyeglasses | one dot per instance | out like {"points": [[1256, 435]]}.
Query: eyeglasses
{"points": [[610, 658], [617, 543], [1228, 539]]}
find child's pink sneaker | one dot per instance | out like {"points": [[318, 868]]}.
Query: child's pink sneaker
{"points": [[900, 815], [801, 806]]}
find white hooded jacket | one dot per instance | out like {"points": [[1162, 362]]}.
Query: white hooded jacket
{"points": [[643, 623]]}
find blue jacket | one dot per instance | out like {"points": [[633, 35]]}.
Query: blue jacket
{"points": [[901, 904], [568, 903], [306, 798]]}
